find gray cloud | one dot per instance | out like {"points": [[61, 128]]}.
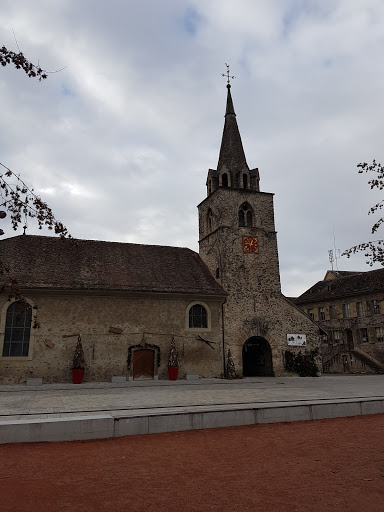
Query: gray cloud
{"points": [[120, 141]]}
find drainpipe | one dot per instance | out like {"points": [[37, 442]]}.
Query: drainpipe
{"points": [[223, 334]]}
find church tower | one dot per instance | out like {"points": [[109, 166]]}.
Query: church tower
{"points": [[237, 241]]}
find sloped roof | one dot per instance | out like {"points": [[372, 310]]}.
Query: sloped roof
{"points": [[334, 274], [54, 263], [347, 286]]}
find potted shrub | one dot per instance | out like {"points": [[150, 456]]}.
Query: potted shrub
{"points": [[173, 361], [78, 363], [231, 371]]}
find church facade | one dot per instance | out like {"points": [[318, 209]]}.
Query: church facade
{"points": [[128, 301]]}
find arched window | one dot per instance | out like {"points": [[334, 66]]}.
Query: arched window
{"points": [[245, 215], [17, 331], [198, 317], [210, 187], [224, 180], [241, 218], [210, 220], [245, 181]]}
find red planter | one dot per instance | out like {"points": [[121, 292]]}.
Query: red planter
{"points": [[77, 376], [172, 372]]}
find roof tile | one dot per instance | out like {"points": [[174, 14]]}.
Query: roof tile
{"points": [[55, 263]]}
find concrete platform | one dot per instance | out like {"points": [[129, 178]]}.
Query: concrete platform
{"points": [[66, 412]]}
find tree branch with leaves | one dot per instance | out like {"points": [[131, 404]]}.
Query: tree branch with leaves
{"points": [[374, 249], [19, 200], [20, 62], [23, 204]]}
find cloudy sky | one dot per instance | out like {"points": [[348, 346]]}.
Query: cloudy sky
{"points": [[119, 142]]}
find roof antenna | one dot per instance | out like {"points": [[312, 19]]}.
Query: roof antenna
{"points": [[336, 251], [331, 258]]}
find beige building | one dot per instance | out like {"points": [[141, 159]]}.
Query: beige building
{"points": [[128, 300], [349, 307]]}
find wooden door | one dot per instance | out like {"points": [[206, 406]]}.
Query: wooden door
{"points": [[143, 363]]}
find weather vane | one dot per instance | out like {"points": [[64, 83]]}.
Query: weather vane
{"points": [[227, 75]]}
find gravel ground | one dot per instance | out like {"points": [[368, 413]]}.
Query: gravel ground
{"points": [[325, 465]]}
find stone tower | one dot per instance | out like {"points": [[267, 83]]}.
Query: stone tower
{"points": [[237, 241]]}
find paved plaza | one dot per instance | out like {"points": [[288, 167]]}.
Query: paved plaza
{"points": [[188, 403], [60, 400]]}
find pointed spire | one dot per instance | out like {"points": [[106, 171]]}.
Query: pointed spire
{"points": [[230, 108], [232, 154]]}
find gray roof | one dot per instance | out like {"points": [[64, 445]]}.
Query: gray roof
{"points": [[341, 273], [347, 286], [55, 263]]}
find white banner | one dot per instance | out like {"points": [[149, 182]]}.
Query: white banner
{"points": [[297, 340]]}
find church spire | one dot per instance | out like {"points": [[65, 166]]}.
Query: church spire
{"points": [[232, 156], [232, 168]]}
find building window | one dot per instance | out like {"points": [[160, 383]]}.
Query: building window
{"points": [[210, 220], [311, 314], [224, 180], [332, 312], [321, 314], [375, 307], [379, 335], [245, 215], [17, 330], [364, 335], [336, 337], [198, 318], [361, 311], [325, 338], [245, 181], [346, 311]]}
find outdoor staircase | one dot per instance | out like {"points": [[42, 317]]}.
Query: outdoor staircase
{"points": [[330, 356], [370, 361], [329, 353]]}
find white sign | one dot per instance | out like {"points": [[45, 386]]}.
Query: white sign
{"points": [[297, 340]]}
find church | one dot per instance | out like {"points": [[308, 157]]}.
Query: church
{"points": [[128, 302]]}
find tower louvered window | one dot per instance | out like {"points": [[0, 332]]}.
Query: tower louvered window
{"points": [[245, 216], [210, 220]]}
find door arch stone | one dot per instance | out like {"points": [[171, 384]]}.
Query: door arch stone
{"points": [[257, 358]]}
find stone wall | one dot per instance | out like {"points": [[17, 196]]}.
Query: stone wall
{"points": [[255, 305], [142, 320], [350, 331]]}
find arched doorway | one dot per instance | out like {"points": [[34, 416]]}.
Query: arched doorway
{"points": [[257, 358]]}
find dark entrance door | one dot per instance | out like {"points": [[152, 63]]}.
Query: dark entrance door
{"points": [[143, 363], [257, 358], [350, 342]]}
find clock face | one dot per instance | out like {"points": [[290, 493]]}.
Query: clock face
{"points": [[250, 244]]}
